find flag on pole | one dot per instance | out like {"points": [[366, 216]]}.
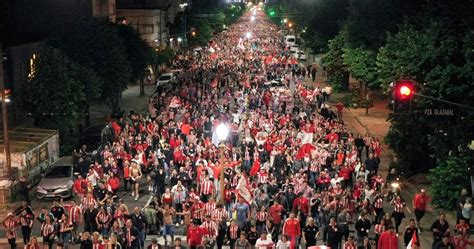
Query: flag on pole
{"points": [[413, 241], [243, 188]]}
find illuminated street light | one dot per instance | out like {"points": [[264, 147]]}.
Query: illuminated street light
{"points": [[222, 131]]}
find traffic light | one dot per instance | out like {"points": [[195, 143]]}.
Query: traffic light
{"points": [[402, 96]]}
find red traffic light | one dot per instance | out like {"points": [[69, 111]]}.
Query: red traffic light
{"points": [[405, 91]]}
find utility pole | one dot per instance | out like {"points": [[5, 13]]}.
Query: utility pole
{"points": [[7, 156]]}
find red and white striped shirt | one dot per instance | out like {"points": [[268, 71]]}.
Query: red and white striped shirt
{"points": [[378, 203], [11, 225], [211, 228], [349, 245], [209, 207], [261, 216], [262, 177], [398, 207], [88, 200], [26, 220], [206, 187], [234, 231], [196, 211], [219, 214], [103, 218], [74, 213], [379, 229], [47, 229]]}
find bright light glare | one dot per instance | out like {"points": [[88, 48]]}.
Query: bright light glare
{"points": [[7, 100], [405, 91], [285, 20], [248, 35], [180, 39], [222, 131]]}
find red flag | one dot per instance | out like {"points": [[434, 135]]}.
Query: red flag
{"points": [[255, 168], [305, 149]]}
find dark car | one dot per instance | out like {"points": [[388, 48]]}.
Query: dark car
{"points": [[91, 137]]}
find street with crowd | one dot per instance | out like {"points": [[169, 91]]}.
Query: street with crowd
{"points": [[294, 175]]}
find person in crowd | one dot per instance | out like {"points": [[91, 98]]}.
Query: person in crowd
{"points": [[440, 229], [264, 242], [409, 231], [388, 239], [11, 225], [420, 204]]}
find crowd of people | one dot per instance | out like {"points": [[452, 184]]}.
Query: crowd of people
{"points": [[293, 174]]}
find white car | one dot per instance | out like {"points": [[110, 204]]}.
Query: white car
{"points": [[164, 79], [294, 48], [301, 55], [290, 40], [57, 180]]}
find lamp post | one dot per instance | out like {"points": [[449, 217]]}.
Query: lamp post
{"points": [[222, 131], [7, 156], [183, 7]]}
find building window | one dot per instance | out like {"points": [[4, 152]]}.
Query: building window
{"points": [[146, 29], [31, 74]]}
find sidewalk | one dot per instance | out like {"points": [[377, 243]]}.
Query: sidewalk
{"points": [[131, 100]]}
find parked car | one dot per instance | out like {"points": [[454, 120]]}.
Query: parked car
{"points": [[164, 79], [294, 48], [57, 181], [290, 40], [301, 55]]}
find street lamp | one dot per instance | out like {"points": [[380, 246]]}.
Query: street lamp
{"points": [[5, 99], [222, 131]]}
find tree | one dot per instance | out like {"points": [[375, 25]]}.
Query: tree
{"points": [[435, 50], [138, 53], [161, 57], [56, 92], [333, 63], [97, 45], [203, 33], [324, 25], [447, 181]]}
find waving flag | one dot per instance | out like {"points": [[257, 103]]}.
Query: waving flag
{"points": [[255, 168], [306, 143], [413, 241], [175, 102], [243, 189]]}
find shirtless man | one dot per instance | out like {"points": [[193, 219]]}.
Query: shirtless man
{"points": [[168, 213], [135, 177]]}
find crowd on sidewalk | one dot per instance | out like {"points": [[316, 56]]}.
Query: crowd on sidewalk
{"points": [[292, 170]]}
